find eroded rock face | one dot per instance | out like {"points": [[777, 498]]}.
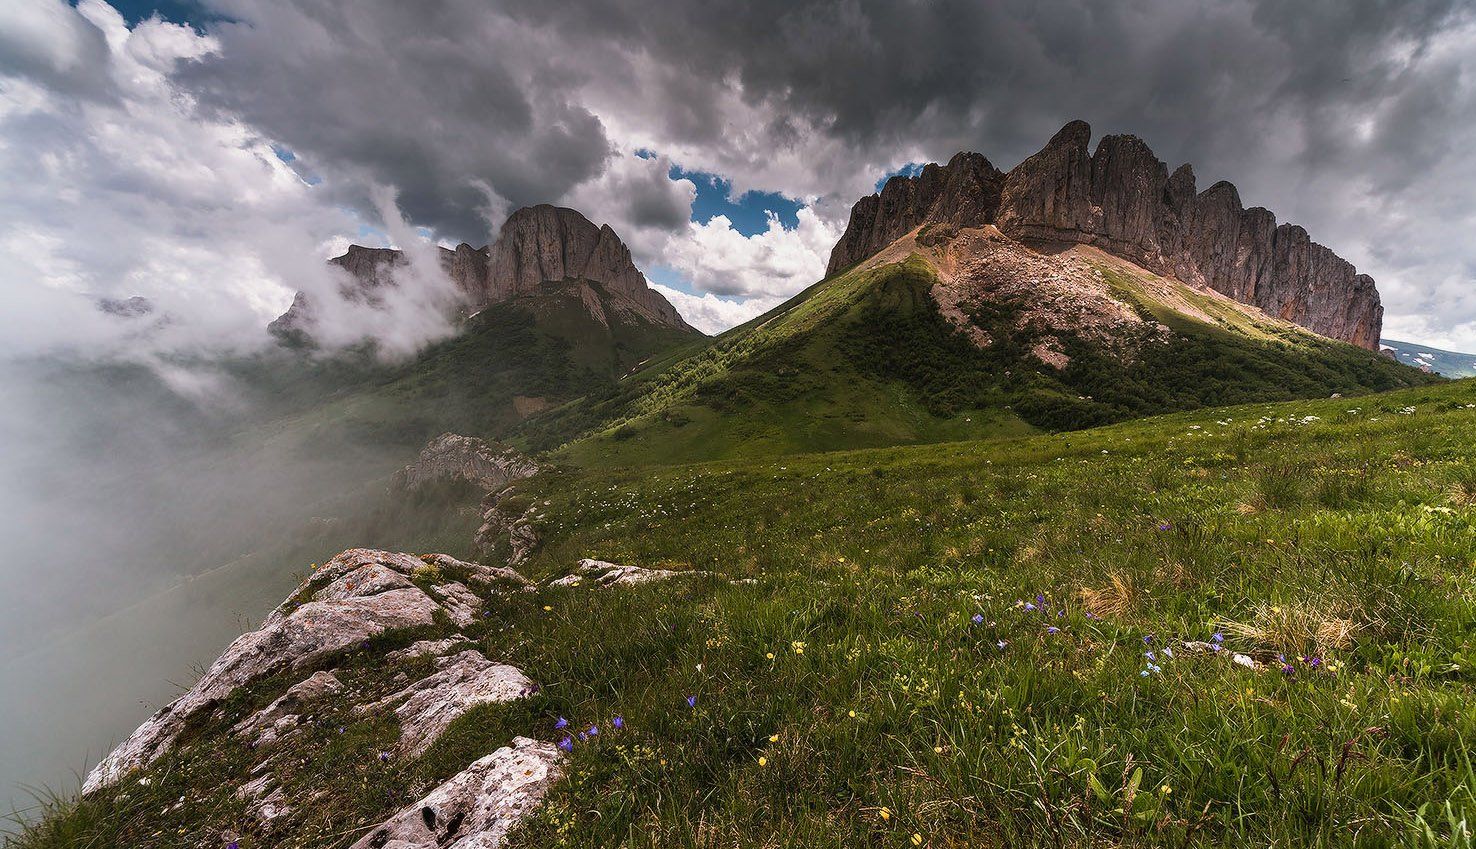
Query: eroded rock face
{"points": [[476, 808], [451, 457], [964, 193], [463, 681], [357, 595], [1123, 200]]}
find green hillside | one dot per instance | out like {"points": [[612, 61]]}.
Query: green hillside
{"points": [[977, 643], [864, 359]]}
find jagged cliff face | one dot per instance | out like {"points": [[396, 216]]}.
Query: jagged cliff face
{"points": [[1123, 200], [538, 249]]}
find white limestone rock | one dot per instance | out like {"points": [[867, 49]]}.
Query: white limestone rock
{"points": [[603, 573], [479, 806], [463, 681]]}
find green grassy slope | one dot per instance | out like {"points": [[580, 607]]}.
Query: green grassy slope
{"points": [[864, 360], [953, 641], [510, 361]]}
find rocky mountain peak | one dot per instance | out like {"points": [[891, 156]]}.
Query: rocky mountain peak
{"points": [[1123, 199], [539, 248], [965, 193]]}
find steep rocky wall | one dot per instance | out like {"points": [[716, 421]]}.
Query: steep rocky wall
{"points": [[1123, 200]]}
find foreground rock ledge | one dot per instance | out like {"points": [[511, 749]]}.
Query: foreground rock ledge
{"points": [[357, 595]]}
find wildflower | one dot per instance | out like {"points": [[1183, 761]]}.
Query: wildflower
{"points": [[799, 647], [1040, 599], [547, 607], [1168, 652], [1155, 667], [851, 714], [1245, 661], [977, 619], [593, 730], [1001, 644], [1164, 526], [916, 839], [763, 761], [769, 656], [1150, 655], [234, 844], [567, 744], [1053, 630], [384, 757], [1147, 639], [885, 813], [1314, 662], [773, 738], [1143, 674], [618, 722], [937, 750], [1029, 606], [691, 701], [1165, 789], [1217, 638], [562, 723]]}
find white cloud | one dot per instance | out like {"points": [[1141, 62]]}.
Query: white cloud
{"points": [[132, 191], [711, 314], [638, 198], [776, 263]]}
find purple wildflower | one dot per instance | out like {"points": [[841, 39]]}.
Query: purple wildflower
{"points": [[567, 744], [1029, 606], [618, 722], [234, 844], [1165, 526], [1053, 630], [1150, 655], [1039, 599], [1314, 662], [1001, 644], [384, 757], [691, 701], [562, 723], [978, 618], [1147, 639], [1217, 638]]}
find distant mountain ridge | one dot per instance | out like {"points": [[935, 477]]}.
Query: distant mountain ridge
{"points": [[537, 246], [1123, 200], [1448, 363]]}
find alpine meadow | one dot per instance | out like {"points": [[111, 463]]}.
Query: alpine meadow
{"points": [[779, 471]]}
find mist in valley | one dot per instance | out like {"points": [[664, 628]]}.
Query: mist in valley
{"points": [[158, 499]]}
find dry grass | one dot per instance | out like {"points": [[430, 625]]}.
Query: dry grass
{"points": [[1116, 599], [1298, 627]]}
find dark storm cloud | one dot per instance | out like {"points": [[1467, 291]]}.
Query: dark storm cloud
{"points": [[436, 99]]}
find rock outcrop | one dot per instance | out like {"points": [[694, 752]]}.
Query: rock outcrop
{"points": [[965, 192], [452, 457], [427, 707], [539, 249], [603, 573], [1123, 200], [476, 808], [282, 716], [357, 595]]}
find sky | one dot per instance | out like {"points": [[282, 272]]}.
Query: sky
{"points": [[209, 154]]}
